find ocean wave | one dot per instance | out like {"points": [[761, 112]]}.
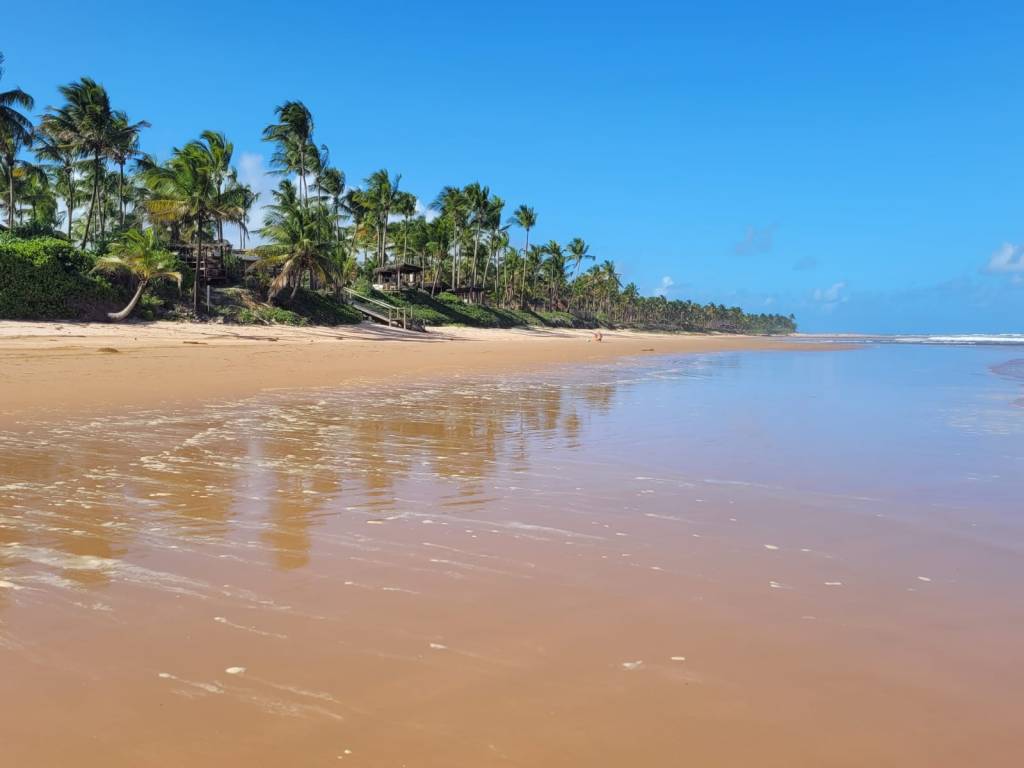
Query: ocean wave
{"points": [[967, 338], [963, 339]]}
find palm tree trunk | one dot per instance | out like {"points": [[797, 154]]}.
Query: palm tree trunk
{"points": [[95, 197], [199, 255], [120, 190], [70, 203], [117, 316], [10, 195], [487, 264], [522, 291], [476, 249]]}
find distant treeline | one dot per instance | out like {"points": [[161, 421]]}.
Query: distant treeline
{"points": [[79, 173]]}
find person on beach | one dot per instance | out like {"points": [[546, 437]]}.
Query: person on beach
{"points": [[598, 336]]}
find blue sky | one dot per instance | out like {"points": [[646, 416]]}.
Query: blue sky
{"points": [[860, 165]]}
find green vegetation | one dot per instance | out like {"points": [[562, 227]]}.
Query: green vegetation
{"points": [[80, 175], [448, 309], [48, 279], [139, 254]]}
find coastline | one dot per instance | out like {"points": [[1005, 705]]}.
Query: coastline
{"points": [[75, 368]]}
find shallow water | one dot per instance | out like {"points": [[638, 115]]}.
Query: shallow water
{"points": [[739, 559]]}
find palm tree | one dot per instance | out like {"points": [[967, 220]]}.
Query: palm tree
{"points": [[526, 218], [247, 200], [330, 185], [223, 177], [63, 163], [380, 198], [405, 206], [186, 191], [495, 243], [15, 133], [35, 191], [478, 202], [579, 251], [90, 128], [140, 255], [610, 281], [299, 241], [554, 272], [453, 206], [124, 145], [293, 134]]}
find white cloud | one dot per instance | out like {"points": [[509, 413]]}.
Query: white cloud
{"points": [[664, 286], [425, 211], [253, 171], [1008, 258], [831, 297]]}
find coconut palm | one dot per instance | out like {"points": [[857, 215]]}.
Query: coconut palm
{"points": [[405, 206], [186, 191], [498, 238], [63, 164], [330, 186], [36, 193], [15, 133], [124, 146], [380, 199], [554, 273], [525, 217], [223, 177], [247, 200], [579, 252], [293, 134], [299, 242], [478, 202], [91, 128], [140, 255], [453, 206]]}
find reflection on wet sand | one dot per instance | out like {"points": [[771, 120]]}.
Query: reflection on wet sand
{"points": [[476, 575]]}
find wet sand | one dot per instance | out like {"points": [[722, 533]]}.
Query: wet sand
{"points": [[506, 570], [72, 368]]}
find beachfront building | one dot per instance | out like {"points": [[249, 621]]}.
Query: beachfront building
{"points": [[396, 277]]}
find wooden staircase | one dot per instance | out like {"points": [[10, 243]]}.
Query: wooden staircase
{"points": [[380, 311]]}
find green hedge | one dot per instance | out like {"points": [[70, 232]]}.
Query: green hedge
{"points": [[48, 279]]}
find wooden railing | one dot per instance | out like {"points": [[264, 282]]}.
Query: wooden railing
{"points": [[378, 310]]}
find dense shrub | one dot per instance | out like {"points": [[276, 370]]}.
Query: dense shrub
{"points": [[49, 279]]}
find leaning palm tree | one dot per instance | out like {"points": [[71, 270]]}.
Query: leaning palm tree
{"points": [[299, 242], [15, 133], [140, 255]]}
